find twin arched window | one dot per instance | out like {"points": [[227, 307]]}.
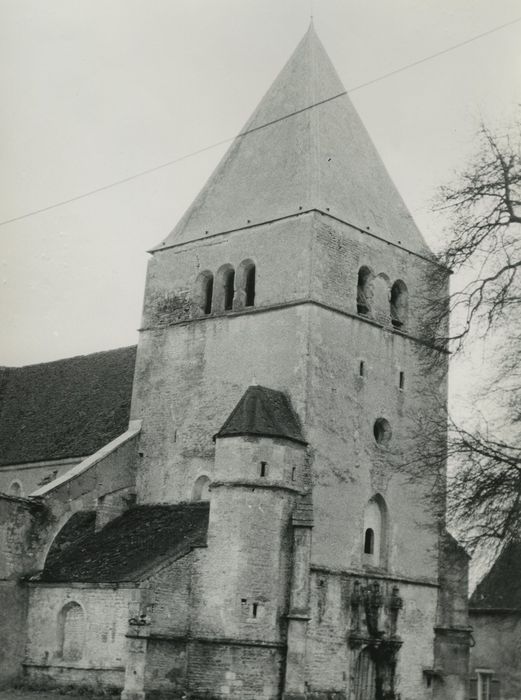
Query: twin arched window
{"points": [[367, 303], [230, 289]]}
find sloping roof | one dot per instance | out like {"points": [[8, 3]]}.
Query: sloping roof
{"points": [[128, 545], [78, 528], [500, 589], [66, 408], [263, 412], [319, 157]]}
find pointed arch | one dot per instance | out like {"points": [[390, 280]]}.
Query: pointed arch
{"points": [[375, 534], [224, 290], [71, 631], [245, 284], [364, 290], [203, 292], [399, 304]]}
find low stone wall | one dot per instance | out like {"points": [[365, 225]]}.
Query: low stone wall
{"points": [[17, 516]]}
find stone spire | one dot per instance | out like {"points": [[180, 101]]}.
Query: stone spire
{"points": [[303, 148]]}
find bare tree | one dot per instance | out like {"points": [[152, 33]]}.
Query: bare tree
{"points": [[484, 206], [484, 252]]}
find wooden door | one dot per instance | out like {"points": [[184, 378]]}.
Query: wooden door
{"points": [[364, 679]]}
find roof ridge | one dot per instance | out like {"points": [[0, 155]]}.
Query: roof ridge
{"points": [[72, 357]]}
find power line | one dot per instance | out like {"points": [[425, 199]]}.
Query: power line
{"points": [[148, 171]]}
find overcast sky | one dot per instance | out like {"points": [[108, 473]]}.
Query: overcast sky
{"points": [[96, 90]]}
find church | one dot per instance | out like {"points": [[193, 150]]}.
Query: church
{"points": [[224, 512]]}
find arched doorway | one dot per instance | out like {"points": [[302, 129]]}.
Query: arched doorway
{"points": [[364, 677]]}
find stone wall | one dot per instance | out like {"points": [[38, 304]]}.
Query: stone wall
{"points": [[331, 657], [105, 620], [497, 636], [191, 375], [304, 336], [17, 542], [33, 476]]}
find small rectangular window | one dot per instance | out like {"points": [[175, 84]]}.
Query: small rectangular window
{"points": [[264, 469], [293, 473], [361, 368], [402, 380], [254, 609]]}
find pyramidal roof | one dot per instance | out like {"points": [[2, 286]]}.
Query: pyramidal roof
{"points": [[303, 148], [263, 412]]}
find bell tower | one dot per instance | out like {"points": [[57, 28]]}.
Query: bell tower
{"points": [[298, 264]]}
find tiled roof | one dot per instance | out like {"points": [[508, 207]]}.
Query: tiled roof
{"points": [[263, 412], [66, 408], [500, 589], [128, 545]]}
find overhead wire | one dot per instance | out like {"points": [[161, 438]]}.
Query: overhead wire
{"points": [[168, 163]]}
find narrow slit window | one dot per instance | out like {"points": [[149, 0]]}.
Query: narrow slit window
{"points": [[263, 469], [254, 610], [208, 294], [361, 368], [293, 473], [402, 380], [369, 541]]}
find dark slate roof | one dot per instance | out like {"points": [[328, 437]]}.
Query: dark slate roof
{"points": [[263, 412], [66, 408], [77, 530], [500, 589], [128, 545]]}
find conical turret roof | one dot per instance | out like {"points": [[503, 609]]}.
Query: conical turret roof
{"points": [[263, 412], [303, 148]]}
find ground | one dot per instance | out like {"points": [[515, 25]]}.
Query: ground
{"points": [[24, 694], [12, 694]]}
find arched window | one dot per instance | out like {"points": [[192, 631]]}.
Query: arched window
{"points": [[375, 532], [15, 489], [224, 289], [399, 304], [382, 431], [229, 288], [201, 490], [380, 289], [245, 283], [203, 292], [364, 291], [71, 632]]}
